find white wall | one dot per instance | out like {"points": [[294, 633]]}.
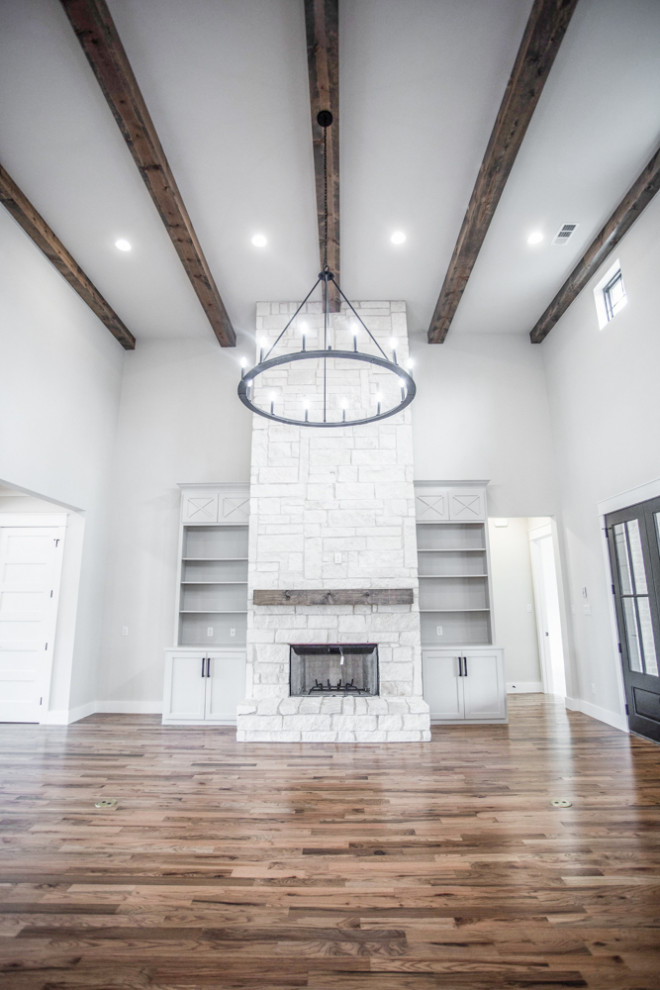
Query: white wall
{"points": [[513, 603], [604, 400], [481, 412], [180, 421], [59, 390]]}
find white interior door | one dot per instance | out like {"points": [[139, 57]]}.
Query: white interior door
{"points": [[30, 567], [548, 614]]}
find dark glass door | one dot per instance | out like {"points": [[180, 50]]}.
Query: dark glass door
{"points": [[633, 536]]}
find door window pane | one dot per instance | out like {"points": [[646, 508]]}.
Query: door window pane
{"points": [[621, 543], [648, 643], [632, 637], [636, 559]]}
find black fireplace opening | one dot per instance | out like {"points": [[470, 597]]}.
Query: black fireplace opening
{"points": [[318, 669]]}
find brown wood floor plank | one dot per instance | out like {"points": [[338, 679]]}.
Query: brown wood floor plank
{"points": [[330, 867]]}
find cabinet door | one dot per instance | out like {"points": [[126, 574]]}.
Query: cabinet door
{"points": [[467, 506], [483, 685], [185, 687], [226, 685], [443, 685], [199, 507]]}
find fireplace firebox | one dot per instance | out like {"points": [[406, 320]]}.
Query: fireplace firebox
{"points": [[318, 669]]}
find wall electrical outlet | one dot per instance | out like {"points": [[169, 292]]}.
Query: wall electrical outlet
{"points": [[438, 631], [232, 631], [209, 630], [124, 630]]}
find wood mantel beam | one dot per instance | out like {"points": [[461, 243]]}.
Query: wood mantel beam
{"points": [[49, 243], [636, 199], [97, 34], [321, 20], [543, 35]]}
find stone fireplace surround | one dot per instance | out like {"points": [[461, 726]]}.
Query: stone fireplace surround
{"points": [[332, 513]]}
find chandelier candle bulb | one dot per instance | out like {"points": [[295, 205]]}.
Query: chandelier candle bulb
{"points": [[393, 346], [243, 366], [303, 334]]}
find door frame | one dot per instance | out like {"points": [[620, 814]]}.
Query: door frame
{"points": [[622, 500], [644, 514], [38, 520]]}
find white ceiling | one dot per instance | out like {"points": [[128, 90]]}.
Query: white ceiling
{"points": [[420, 86]]}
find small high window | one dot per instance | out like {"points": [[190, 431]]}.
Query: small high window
{"points": [[610, 295]]}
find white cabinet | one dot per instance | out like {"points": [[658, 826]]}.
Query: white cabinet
{"points": [[203, 686], [205, 676], [465, 685]]}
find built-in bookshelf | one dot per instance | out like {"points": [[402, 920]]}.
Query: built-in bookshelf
{"points": [[454, 592], [213, 586]]}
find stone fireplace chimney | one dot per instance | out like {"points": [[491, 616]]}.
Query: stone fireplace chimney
{"points": [[333, 558]]}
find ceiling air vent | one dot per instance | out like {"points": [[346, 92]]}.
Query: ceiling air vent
{"points": [[565, 233]]}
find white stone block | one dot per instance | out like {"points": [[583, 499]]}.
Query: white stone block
{"points": [[310, 706], [390, 723], [310, 723], [269, 706], [310, 736], [262, 723], [377, 706], [354, 723], [247, 708], [419, 722], [418, 706], [378, 736], [289, 706]]}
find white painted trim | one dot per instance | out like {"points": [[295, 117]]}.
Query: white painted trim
{"points": [[630, 497], [29, 519], [67, 716], [614, 719], [129, 707], [524, 687]]}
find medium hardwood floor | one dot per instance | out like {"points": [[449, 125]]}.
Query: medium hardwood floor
{"points": [[334, 867]]}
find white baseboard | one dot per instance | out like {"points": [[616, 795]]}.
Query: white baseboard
{"points": [[524, 687], [595, 711], [67, 716], [129, 707]]}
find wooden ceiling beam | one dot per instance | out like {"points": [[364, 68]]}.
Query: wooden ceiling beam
{"points": [[97, 34], [633, 203], [49, 243], [543, 35], [321, 21]]}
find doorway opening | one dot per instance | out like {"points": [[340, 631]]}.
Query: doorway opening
{"points": [[528, 603]]}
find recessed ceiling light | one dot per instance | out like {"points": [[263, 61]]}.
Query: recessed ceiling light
{"points": [[398, 237], [123, 245], [259, 240], [535, 237]]}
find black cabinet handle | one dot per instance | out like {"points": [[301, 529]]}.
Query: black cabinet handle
{"points": [[208, 666], [465, 666], [460, 666], [203, 662]]}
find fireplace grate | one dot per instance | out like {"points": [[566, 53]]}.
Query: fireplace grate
{"points": [[348, 688]]}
